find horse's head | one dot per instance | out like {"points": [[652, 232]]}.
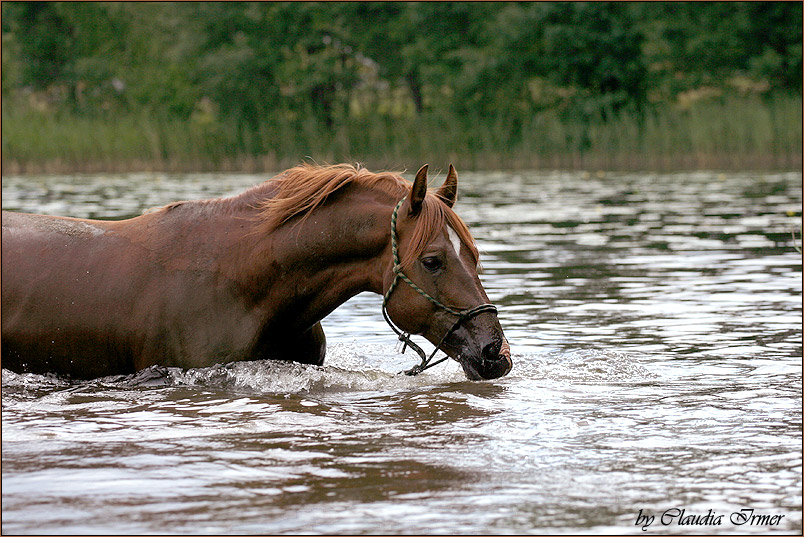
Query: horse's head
{"points": [[434, 289]]}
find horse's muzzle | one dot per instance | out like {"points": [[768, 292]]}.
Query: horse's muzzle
{"points": [[494, 362]]}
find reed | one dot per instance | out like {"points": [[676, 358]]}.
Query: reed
{"points": [[726, 133]]}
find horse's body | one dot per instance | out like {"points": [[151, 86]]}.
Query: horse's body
{"points": [[241, 278]]}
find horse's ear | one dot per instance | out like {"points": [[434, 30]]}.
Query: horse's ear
{"points": [[418, 191], [449, 190]]}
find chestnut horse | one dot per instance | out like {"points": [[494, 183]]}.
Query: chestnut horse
{"points": [[247, 277]]}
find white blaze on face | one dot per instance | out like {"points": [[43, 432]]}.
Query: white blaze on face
{"points": [[454, 239]]}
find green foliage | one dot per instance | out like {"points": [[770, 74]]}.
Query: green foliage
{"points": [[352, 79]]}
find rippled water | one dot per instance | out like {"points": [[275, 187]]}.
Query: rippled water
{"points": [[655, 323]]}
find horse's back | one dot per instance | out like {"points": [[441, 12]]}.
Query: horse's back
{"points": [[35, 247], [50, 277], [42, 225], [92, 298]]}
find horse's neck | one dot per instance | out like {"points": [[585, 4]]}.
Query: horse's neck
{"points": [[311, 266]]}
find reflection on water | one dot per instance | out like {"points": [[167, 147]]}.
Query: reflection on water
{"points": [[655, 322]]}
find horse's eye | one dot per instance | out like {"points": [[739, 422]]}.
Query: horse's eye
{"points": [[432, 263]]}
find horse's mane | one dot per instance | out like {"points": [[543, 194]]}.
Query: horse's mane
{"points": [[300, 190]]}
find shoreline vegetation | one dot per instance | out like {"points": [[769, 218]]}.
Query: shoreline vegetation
{"points": [[262, 86], [732, 134]]}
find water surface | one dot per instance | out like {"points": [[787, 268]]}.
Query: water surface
{"points": [[655, 323]]}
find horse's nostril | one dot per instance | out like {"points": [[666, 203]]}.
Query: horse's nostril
{"points": [[491, 351]]}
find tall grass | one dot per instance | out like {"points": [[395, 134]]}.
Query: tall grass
{"points": [[728, 133]]}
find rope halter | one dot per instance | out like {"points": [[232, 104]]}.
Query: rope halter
{"points": [[462, 315]]}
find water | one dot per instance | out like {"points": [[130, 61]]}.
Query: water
{"points": [[655, 324]]}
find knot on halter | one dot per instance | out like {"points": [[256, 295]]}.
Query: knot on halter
{"points": [[462, 315]]}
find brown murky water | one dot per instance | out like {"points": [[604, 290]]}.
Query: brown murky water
{"points": [[655, 322]]}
